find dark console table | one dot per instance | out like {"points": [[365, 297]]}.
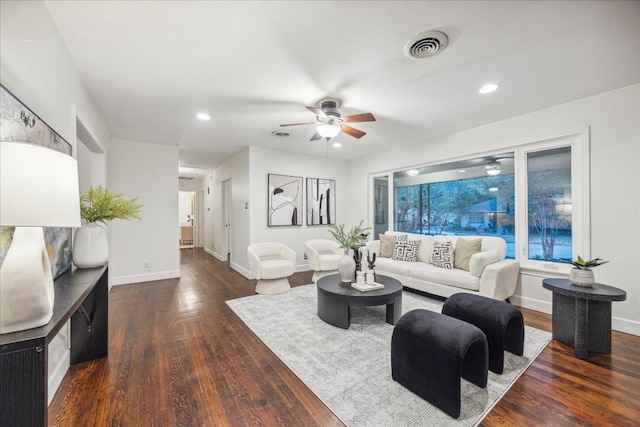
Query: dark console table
{"points": [[582, 315], [82, 296]]}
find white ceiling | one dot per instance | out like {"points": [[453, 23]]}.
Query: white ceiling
{"points": [[150, 66]]}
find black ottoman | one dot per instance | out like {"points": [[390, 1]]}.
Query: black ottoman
{"points": [[501, 322], [431, 351]]}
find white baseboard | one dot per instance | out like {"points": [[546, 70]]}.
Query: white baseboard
{"points": [[625, 325], [138, 278], [240, 269], [216, 255], [531, 304]]}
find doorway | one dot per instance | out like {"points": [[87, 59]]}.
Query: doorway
{"points": [[186, 218], [226, 218]]}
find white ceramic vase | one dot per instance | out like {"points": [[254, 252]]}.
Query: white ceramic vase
{"points": [[580, 277], [90, 246], [346, 267]]}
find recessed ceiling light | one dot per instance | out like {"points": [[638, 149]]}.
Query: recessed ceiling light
{"points": [[462, 170], [336, 145], [488, 88], [203, 116]]}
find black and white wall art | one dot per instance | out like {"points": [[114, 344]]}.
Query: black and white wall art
{"points": [[321, 201], [285, 200]]}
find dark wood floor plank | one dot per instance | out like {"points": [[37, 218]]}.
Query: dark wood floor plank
{"points": [[179, 356]]}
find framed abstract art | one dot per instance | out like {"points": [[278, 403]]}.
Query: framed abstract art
{"points": [[284, 200], [321, 201]]}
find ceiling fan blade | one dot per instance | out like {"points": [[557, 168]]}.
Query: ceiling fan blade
{"points": [[352, 131], [318, 112], [316, 137], [299, 124], [364, 117]]}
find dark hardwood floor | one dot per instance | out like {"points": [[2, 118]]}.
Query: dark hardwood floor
{"points": [[179, 356]]}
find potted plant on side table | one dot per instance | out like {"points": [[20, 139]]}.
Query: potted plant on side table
{"points": [[581, 273], [351, 239], [97, 206]]}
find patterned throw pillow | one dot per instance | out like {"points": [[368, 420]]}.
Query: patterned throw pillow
{"points": [[442, 255], [406, 250]]}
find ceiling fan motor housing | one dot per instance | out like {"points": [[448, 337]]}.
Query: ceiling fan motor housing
{"points": [[330, 109]]}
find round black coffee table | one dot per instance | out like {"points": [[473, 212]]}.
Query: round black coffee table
{"points": [[335, 299]]}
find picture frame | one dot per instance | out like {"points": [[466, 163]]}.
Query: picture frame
{"points": [[19, 124], [321, 201], [284, 200]]}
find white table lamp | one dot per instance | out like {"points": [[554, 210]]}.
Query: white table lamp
{"points": [[38, 188]]}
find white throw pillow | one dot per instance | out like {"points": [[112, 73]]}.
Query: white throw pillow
{"points": [[442, 254], [406, 250]]}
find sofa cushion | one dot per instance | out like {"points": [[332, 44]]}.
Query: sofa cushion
{"points": [[442, 254], [406, 250], [388, 244], [400, 268], [463, 251], [480, 260], [451, 277]]}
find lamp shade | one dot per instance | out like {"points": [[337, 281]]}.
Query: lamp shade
{"points": [[38, 187], [328, 131]]}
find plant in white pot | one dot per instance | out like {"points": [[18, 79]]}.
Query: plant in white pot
{"points": [[351, 239], [581, 273], [97, 206]]}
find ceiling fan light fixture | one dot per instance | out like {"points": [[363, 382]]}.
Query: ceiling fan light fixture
{"points": [[493, 170], [328, 131]]}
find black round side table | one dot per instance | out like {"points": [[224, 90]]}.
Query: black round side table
{"points": [[581, 316]]}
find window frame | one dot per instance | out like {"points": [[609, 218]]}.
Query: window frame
{"points": [[580, 187]]}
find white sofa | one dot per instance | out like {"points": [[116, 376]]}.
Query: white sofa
{"points": [[490, 274]]}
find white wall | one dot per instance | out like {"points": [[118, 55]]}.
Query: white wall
{"points": [[235, 169], [40, 73], [149, 171], [614, 121], [263, 162]]}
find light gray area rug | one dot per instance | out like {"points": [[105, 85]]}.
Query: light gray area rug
{"points": [[350, 370]]}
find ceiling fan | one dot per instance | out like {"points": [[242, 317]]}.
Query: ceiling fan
{"points": [[331, 122]]}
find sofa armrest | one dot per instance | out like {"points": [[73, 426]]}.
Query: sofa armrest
{"points": [[480, 260], [499, 279]]}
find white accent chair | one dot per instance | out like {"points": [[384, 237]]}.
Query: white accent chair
{"points": [[324, 256], [271, 263]]}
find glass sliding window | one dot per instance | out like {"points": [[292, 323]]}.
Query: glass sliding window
{"points": [[549, 204], [468, 197], [380, 205]]}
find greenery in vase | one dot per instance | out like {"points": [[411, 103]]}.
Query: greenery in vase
{"points": [[583, 264], [101, 205], [349, 239]]}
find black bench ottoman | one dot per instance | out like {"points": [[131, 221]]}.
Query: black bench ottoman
{"points": [[431, 351], [501, 322]]}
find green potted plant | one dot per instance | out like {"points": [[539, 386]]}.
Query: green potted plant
{"points": [[97, 206], [351, 239], [581, 273]]}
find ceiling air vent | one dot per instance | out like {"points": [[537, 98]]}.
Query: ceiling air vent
{"points": [[426, 44]]}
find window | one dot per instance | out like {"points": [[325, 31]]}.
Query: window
{"points": [[549, 204], [470, 197], [534, 197]]}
